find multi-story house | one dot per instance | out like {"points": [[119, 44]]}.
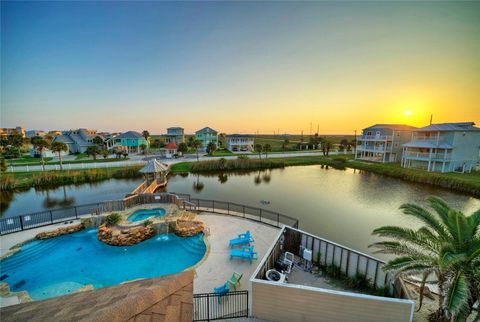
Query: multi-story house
{"points": [[444, 147], [175, 135], [207, 135], [240, 143], [4, 131], [130, 141], [383, 142], [77, 140]]}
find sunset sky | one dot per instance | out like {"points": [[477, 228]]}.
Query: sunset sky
{"points": [[238, 67]]}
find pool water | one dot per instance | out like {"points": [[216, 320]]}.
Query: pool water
{"points": [[143, 214], [64, 264]]}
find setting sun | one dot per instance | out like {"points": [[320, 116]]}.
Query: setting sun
{"points": [[408, 113]]}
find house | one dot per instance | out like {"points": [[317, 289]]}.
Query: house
{"points": [[170, 150], [443, 147], [240, 143], [207, 135], [4, 131], [175, 135], [34, 133], [130, 141], [78, 140], [383, 142]]}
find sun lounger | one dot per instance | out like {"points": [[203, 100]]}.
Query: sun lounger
{"points": [[244, 253], [234, 280], [241, 239], [221, 290]]}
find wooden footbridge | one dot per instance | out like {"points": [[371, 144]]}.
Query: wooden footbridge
{"points": [[155, 174]]}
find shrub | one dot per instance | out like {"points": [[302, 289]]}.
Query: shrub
{"points": [[112, 219], [236, 164], [147, 223]]}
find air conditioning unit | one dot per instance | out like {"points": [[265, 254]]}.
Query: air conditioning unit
{"points": [[307, 255]]}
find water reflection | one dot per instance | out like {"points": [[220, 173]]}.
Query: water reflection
{"points": [[198, 185], [52, 202], [34, 200]]}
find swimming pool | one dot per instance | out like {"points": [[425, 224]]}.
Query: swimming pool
{"points": [[143, 214], [64, 264]]}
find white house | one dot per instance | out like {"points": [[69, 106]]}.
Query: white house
{"points": [[444, 147], [240, 143]]}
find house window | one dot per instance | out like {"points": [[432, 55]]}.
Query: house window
{"points": [[369, 133]]}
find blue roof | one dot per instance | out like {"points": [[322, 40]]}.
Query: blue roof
{"points": [[129, 135], [206, 130], [463, 126]]}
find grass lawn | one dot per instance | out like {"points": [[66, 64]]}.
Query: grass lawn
{"points": [[21, 180], [26, 160], [222, 153]]}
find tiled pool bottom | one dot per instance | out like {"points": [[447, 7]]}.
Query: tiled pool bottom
{"points": [[65, 264]]}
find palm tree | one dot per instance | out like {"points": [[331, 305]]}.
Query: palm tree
{"points": [[98, 141], [197, 144], [146, 135], [259, 148], [326, 147], [182, 148], [267, 148], [39, 144], [59, 147], [93, 151], [447, 246], [211, 147], [285, 144]]}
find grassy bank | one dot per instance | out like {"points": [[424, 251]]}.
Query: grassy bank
{"points": [[235, 164], [23, 180], [468, 183]]}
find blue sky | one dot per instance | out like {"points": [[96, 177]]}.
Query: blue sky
{"points": [[238, 67]]}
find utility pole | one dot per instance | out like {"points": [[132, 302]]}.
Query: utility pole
{"points": [[355, 147], [318, 128], [431, 118]]}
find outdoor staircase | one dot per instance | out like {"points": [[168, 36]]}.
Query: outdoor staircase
{"points": [[29, 253]]}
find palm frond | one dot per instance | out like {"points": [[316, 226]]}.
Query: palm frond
{"points": [[457, 294], [407, 235], [426, 217], [440, 206]]}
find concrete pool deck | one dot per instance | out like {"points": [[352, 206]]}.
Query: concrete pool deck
{"points": [[217, 268]]}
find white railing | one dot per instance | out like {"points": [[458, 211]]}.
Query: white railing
{"points": [[375, 137], [76, 166], [371, 149], [426, 155]]}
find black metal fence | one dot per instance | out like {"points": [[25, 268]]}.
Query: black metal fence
{"points": [[264, 216], [49, 217], [211, 306]]}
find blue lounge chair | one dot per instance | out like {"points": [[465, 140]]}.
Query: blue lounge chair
{"points": [[244, 253], [221, 291], [242, 239]]}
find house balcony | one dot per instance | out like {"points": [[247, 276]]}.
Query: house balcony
{"points": [[375, 138], [427, 156], [379, 149]]}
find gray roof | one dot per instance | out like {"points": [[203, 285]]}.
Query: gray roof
{"points": [[463, 126], [206, 130], [154, 166], [63, 138], [427, 144], [129, 135], [175, 128], [397, 127]]}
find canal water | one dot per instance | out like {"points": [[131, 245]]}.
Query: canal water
{"points": [[341, 205]]}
